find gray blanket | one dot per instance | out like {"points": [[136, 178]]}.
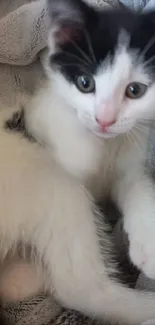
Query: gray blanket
{"points": [[23, 35]]}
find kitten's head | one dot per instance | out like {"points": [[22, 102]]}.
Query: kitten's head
{"points": [[103, 65]]}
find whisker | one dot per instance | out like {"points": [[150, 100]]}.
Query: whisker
{"points": [[146, 124], [149, 61], [152, 66], [143, 125], [90, 46], [79, 49], [77, 58], [139, 144], [137, 131], [148, 119], [82, 52], [83, 68], [141, 128], [130, 138], [147, 47], [85, 56]]}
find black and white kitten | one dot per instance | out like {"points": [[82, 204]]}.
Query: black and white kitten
{"points": [[95, 110], [100, 87]]}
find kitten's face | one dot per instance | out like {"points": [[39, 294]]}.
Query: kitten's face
{"points": [[103, 66]]}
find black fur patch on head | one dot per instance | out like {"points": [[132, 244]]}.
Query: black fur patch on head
{"points": [[99, 38]]}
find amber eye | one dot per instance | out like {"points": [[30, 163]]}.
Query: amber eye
{"points": [[135, 90], [85, 83]]}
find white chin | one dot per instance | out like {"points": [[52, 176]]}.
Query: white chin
{"points": [[106, 135]]}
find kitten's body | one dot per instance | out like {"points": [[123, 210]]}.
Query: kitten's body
{"points": [[50, 210], [49, 207], [114, 167]]}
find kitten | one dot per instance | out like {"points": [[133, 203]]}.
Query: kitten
{"points": [[96, 109], [44, 201]]}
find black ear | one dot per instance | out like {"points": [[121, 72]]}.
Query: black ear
{"points": [[69, 17]]}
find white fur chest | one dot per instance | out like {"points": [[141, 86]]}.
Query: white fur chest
{"points": [[54, 125], [120, 157], [97, 162]]}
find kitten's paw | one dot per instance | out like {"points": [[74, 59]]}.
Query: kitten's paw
{"points": [[142, 252]]}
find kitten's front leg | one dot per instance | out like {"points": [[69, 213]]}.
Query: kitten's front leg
{"points": [[135, 196]]}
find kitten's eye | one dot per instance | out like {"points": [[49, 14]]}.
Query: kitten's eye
{"points": [[135, 90], [85, 84]]}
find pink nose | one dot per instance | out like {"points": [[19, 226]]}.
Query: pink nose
{"points": [[103, 123]]}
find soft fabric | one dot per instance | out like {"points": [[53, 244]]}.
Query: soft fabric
{"points": [[139, 5], [23, 34]]}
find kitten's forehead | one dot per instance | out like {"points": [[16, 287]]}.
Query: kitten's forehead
{"points": [[123, 38], [101, 40], [123, 59], [113, 76], [128, 29]]}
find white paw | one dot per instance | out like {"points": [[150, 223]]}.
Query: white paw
{"points": [[142, 250]]}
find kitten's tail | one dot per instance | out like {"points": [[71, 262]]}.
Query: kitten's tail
{"points": [[127, 305], [115, 303]]}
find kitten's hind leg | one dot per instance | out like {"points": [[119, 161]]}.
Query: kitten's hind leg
{"points": [[79, 275]]}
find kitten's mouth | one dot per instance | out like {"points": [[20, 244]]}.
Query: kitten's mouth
{"points": [[111, 131], [105, 133], [99, 132], [114, 130], [105, 130]]}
